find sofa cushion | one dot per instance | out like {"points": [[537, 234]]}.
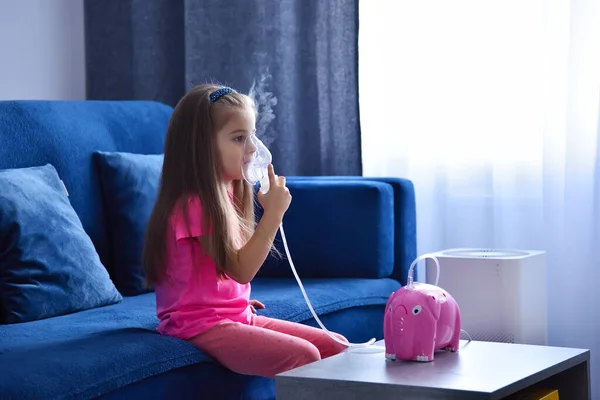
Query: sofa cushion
{"points": [[336, 229], [129, 189], [48, 264], [405, 223], [122, 342]]}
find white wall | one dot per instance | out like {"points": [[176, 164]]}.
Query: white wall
{"points": [[42, 50]]}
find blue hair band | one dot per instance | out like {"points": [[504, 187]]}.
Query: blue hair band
{"points": [[217, 94]]}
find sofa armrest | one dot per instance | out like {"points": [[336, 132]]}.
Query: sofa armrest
{"points": [[347, 226]]}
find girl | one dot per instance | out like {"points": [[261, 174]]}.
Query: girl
{"points": [[202, 248]]}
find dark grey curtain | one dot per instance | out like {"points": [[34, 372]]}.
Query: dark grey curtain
{"points": [[298, 58]]}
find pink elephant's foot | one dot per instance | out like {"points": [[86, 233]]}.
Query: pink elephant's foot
{"points": [[455, 341], [424, 357]]}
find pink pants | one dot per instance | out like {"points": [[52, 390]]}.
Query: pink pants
{"points": [[267, 347]]}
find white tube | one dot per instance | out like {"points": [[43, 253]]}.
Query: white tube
{"points": [[409, 282], [287, 252]]}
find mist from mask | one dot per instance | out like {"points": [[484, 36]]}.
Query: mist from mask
{"points": [[265, 101]]}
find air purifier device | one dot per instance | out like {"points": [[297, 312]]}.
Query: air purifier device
{"points": [[502, 293]]}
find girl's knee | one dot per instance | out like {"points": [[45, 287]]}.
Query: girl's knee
{"points": [[341, 346], [306, 353], [331, 346], [329, 340]]}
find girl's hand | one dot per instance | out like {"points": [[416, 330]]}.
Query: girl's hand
{"points": [[277, 200], [254, 304]]}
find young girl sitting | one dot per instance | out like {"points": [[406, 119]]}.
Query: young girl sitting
{"points": [[202, 246]]}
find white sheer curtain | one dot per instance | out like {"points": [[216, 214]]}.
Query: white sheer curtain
{"points": [[492, 108]]}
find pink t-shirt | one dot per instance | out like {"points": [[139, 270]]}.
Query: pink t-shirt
{"points": [[193, 299]]}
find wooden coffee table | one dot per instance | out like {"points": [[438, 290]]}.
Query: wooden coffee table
{"points": [[479, 370]]}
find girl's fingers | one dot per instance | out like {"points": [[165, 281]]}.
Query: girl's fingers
{"points": [[272, 175], [257, 303]]}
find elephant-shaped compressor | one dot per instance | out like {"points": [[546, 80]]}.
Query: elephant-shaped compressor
{"points": [[420, 320]]}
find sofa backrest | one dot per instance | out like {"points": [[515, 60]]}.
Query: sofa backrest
{"points": [[67, 133]]}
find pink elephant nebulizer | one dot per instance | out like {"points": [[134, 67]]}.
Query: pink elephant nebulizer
{"points": [[420, 319]]}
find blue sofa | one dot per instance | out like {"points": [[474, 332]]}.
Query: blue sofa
{"points": [[77, 180]]}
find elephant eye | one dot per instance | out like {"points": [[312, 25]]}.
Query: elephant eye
{"points": [[416, 310]]}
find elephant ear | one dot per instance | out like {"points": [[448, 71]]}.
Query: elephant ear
{"points": [[434, 305]]}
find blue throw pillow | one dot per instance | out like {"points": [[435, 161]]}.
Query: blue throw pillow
{"points": [[48, 264], [130, 188]]}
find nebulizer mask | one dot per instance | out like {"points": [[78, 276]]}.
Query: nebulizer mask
{"points": [[255, 167], [255, 170]]}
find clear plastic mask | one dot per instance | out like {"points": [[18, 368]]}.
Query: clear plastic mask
{"points": [[255, 166]]}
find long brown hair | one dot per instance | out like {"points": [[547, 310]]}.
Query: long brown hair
{"points": [[191, 167]]}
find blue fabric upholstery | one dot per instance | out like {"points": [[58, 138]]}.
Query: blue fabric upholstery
{"points": [[364, 248], [405, 219], [129, 187], [62, 357], [67, 133], [197, 381], [48, 264], [114, 352], [121, 340]]}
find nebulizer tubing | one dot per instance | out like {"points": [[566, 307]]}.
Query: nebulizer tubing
{"points": [[287, 252], [409, 281], [264, 188], [256, 171]]}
